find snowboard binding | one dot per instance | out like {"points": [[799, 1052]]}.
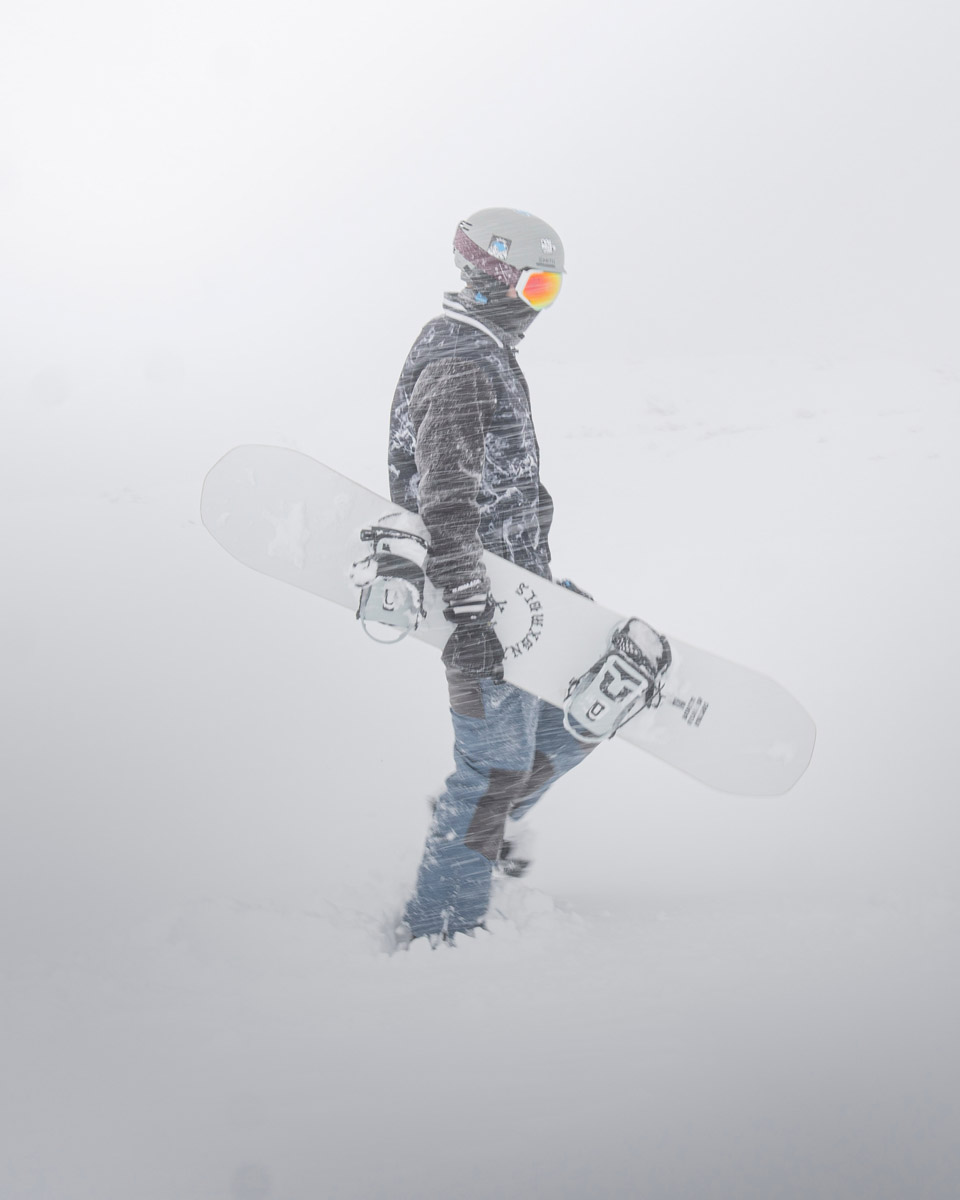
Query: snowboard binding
{"points": [[627, 679], [391, 581]]}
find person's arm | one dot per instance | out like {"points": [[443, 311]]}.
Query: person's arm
{"points": [[451, 406]]}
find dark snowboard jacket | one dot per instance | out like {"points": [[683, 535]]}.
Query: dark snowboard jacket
{"points": [[463, 451]]}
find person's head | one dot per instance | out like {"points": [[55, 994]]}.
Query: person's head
{"points": [[511, 263]]}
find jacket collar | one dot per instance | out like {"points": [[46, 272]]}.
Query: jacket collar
{"points": [[457, 308]]}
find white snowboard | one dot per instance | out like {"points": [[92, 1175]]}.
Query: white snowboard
{"points": [[290, 517]]}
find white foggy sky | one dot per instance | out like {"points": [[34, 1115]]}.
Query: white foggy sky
{"points": [[742, 177]]}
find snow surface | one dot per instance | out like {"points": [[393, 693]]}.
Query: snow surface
{"points": [[214, 788]]}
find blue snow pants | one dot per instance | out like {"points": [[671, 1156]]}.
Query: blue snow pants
{"points": [[509, 748]]}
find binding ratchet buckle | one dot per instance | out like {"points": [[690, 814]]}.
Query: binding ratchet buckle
{"points": [[391, 581], [627, 679]]}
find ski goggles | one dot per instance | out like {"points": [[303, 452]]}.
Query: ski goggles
{"points": [[539, 289], [534, 286]]}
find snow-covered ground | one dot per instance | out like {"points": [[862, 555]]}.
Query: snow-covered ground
{"points": [[214, 789]]}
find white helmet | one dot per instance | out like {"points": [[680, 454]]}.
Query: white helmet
{"points": [[514, 248]]}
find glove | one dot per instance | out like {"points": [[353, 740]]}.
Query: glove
{"points": [[473, 648], [475, 651]]}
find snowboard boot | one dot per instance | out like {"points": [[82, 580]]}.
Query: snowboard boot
{"points": [[515, 858]]}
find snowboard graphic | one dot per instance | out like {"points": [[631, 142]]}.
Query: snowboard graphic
{"points": [[288, 516]]}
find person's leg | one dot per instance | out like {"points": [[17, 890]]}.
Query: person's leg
{"points": [[495, 727], [555, 753]]}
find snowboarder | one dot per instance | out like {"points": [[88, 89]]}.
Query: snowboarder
{"points": [[464, 455]]}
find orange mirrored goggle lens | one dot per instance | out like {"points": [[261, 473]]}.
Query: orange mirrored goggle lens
{"points": [[539, 288]]}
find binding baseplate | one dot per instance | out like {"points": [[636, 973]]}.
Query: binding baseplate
{"points": [[622, 683], [391, 580]]}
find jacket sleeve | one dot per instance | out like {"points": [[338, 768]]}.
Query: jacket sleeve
{"points": [[451, 407]]}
